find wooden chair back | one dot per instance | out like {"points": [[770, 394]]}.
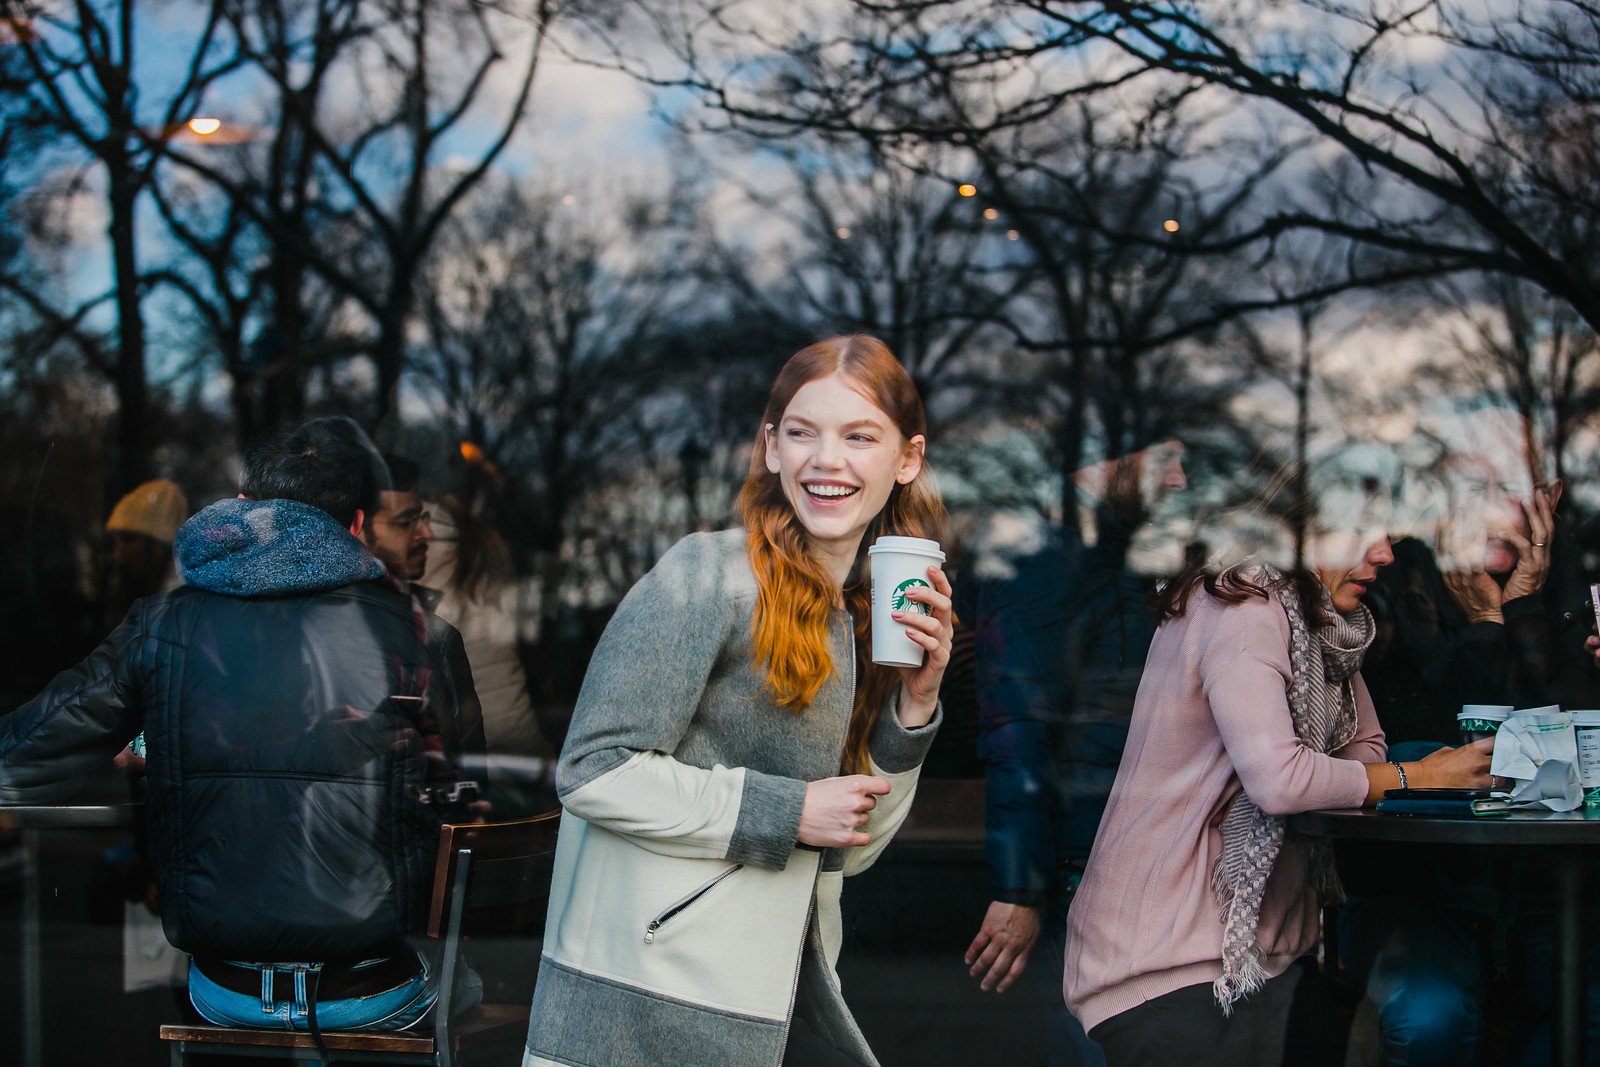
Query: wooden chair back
{"points": [[488, 877]]}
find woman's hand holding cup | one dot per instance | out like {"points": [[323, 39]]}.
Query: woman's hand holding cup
{"points": [[935, 633]]}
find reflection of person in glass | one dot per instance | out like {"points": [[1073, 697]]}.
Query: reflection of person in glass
{"points": [[735, 752], [1484, 611], [1195, 905], [470, 583], [142, 527], [1471, 627], [1063, 627]]}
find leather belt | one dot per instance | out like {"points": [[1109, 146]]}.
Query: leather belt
{"points": [[337, 982]]}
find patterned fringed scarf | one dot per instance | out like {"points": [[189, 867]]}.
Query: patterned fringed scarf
{"points": [[1322, 703]]}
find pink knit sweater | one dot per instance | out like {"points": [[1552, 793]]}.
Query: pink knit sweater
{"points": [[1212, 714]]}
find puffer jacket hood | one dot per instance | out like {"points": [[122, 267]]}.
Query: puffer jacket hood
{"points": [[260, 548]]}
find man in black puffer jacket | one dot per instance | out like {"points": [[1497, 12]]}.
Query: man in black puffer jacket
{"points": [[295, 708]]}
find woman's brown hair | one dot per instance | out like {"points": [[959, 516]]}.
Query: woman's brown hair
{"points": [[796, 592]]}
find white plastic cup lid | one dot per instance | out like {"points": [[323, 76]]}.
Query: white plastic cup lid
{"points": [[921, 546], [1485, 711]]}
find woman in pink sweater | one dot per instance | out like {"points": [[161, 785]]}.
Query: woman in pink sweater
{"points": [[1195, 902]]}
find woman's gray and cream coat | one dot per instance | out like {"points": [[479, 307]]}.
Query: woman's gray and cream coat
{"points": [[681, 915]]}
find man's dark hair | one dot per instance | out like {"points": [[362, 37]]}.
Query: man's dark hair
{"points": [[404, 474], [329, 463]]}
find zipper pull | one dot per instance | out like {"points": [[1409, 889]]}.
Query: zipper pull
{"points": [[650, 932]]}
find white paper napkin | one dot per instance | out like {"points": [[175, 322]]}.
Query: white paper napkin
{"points": [[1540, 751]]}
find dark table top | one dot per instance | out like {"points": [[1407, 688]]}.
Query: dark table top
{"points": [[65, 816], [1581, 827]]}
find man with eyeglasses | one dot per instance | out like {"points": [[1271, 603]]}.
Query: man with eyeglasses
{"points": [[398, 532]]}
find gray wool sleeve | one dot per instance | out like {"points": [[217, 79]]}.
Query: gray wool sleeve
{"points": [[896, 749], [769, 820]]}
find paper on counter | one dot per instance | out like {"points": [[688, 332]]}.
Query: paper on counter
{"points": [[1539, 750]]}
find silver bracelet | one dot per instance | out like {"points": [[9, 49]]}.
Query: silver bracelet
{"points": [[1402, 770]]}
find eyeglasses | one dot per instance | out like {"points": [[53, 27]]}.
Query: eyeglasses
{"points": [[408, 521]]}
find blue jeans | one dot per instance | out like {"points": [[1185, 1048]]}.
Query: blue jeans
{"points": [[1419, 963], [392, 1009], [1533, 977], [1068, 1045]]}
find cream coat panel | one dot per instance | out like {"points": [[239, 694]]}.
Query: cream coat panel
{"points": [[736, 948]]}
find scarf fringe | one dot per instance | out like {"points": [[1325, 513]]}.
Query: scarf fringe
{"points": [[1250, 977], [1245, 975]]}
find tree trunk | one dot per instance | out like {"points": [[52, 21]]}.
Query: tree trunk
{"points": [[133, 460], [1070, 432], [1300, 473]]}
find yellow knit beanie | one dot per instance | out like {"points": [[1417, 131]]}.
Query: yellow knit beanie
{"points": [[155, 509]]}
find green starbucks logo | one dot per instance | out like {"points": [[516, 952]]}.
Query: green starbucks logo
{"points": [[899, 602]]}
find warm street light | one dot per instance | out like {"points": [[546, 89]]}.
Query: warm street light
{"points": [[1012, 235], [203, 129], [991, 213], [1171, 225], [966, 189], [842, 233]]}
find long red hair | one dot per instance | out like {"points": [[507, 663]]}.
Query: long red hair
{"points": [[796, 591]]}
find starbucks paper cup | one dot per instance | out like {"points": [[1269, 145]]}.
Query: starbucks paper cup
{"points": [[899, 564], [1587, 726], [1478, 721]]}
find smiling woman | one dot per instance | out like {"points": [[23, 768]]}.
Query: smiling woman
{"points": [[735, 752]]}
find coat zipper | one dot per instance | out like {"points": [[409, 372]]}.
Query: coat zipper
{"points": [[660, 920], [811, 907]]}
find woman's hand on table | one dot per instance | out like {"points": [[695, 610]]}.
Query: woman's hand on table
{"points": [[919, 686], [1466, 767]]}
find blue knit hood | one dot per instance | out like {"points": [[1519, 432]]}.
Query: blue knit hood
{"points": [[257, 548]]}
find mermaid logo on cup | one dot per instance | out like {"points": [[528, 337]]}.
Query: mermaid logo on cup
{"points": [[898, 601], [899, 565]]}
